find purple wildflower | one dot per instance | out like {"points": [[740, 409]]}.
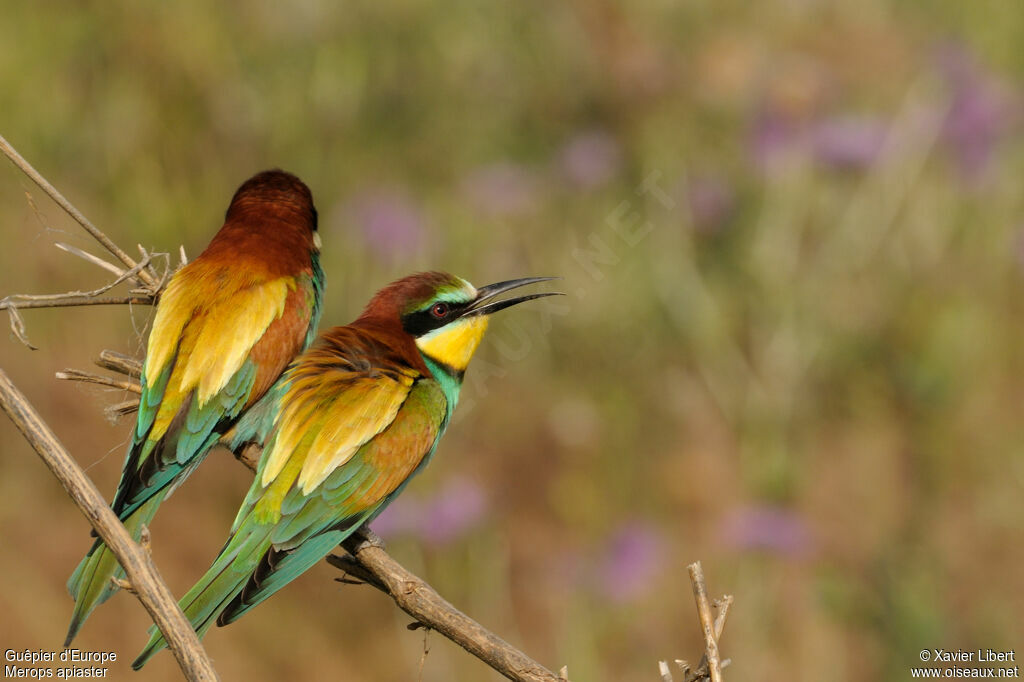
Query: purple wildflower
{"points": [[502, 189], [591, 159], [774, 140], [763, 527], [633, 558], [980, 112], [459, 507], [389, 222], [399, 518], [712, 202], [848, 142]]}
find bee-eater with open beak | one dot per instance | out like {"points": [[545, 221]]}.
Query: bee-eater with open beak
{"points": [[226, 327], [360, 413]]}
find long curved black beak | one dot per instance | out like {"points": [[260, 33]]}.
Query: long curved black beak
{"points": [[480, 306]]}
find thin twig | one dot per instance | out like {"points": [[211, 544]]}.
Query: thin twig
{"points": [[722, 605], [74, 298], [426, 650], [89, 258], [18, 300], [138, 566], [121, 409], [70, 299], [707, 624], [119, 362], [18, 327], [90, 378], [146, 276], [702, 671]]}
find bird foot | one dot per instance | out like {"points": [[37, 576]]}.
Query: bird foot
{"points": [[123, 584], [145, 540]]}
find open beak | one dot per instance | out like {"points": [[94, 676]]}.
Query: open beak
{"points": [[480, 306]]}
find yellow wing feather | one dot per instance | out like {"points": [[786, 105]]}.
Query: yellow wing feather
{"points": [[226, 337], [212, 334], [350, 428], [332, 423]]}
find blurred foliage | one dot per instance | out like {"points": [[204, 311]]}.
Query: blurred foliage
{"points": [[791, 238]]}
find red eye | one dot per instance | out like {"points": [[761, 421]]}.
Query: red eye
{"points": [[439, 310]]}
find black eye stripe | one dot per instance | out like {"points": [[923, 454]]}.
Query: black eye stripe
{"points": [[424, 321]]}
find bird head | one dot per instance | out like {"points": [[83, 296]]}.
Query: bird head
{"points": [[276, 203], [447, 316]]}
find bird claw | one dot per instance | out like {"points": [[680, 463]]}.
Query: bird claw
{"points": [[123, 584], [367, 538], [145, 540]]}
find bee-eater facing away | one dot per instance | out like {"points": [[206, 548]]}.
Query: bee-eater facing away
{"points": [[360, 413], [226, 327]]}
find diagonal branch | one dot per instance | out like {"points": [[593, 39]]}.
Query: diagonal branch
{"points": [[145, 275], [414, 596], [145, 579]]}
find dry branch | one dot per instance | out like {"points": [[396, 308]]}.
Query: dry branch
{"points": [[422, 602], [70, 299], [119, 362], [707, 621], [146, 275], [143, 575], [90, 378], [704, 669]]}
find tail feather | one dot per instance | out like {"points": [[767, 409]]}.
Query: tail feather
{"points": [[280, 571], [91, 584], [217, 588]]}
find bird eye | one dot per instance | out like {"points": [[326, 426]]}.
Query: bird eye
{"points": [[439, 310]]}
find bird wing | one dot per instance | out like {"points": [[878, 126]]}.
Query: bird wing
{"points": [[305, 526], [375, 473], [208, 350], [336, 399]]}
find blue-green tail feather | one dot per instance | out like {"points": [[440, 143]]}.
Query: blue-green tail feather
{"points": [[226, 578], [290, 566], [91, 585]]}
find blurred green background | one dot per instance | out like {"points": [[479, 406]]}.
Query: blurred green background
{"points": [[791, 235]]}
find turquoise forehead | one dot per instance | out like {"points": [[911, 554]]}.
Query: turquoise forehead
{"points": [[456, 290]]}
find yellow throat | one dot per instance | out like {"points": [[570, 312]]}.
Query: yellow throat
{"points": [[454, 344]]}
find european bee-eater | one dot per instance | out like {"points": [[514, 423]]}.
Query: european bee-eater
{"points": [[360, 413], [226, 327]]}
